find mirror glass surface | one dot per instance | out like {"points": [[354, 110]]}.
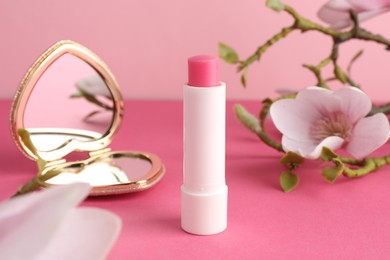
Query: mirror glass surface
{"points": [[70, 94], [104, 171]]}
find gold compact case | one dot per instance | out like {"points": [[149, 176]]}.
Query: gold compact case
{"points": [[70, 106]]}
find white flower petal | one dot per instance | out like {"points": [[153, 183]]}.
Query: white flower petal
{"points": [[369, 134], [355, 103], [29, 221], [370, 14], [320, 99], [369, 4], [309, 149], [336, 12], [293, 118], [337, 19], [296, 146], [85, 234], [341, 5], [332, 142]]}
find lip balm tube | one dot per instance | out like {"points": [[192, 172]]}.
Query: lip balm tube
{"points": [[204, 192]]}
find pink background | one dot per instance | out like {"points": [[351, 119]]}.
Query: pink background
{"points": [[146, 43]]}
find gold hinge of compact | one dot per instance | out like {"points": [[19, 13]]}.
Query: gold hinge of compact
{"points": [[99, 152], [54, 162]]}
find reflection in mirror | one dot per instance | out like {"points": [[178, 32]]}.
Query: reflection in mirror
{"points": [[70, 94], [104, 171]]}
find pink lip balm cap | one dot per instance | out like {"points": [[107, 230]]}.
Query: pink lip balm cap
{"points": [[203, 71]]}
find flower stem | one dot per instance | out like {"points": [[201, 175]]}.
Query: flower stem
{"points": [[338, 37], [263, 48], [250, 122], [36, 182], [380, 109], [321, 82], [370, 165]]}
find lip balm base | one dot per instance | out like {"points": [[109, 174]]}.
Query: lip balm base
{"points": [[204, 214]]}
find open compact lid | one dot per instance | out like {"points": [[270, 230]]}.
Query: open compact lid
{"points": [[68, 101]]}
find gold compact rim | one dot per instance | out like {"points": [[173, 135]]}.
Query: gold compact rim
{"points": [[153, 176], [30, 80]]}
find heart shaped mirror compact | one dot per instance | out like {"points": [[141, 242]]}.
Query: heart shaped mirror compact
{"points": [[69, 102]]}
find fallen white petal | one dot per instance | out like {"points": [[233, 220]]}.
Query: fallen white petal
{"points": [[84, 234], [47, 225], [28, 222]]}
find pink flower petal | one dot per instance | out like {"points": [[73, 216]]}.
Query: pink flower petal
{"points": [[369, 134], [29, 221], [355, 103], [337, 19], [293, 118], [313, 91], [371, 13], [369, 4], [336, 12], [309, 149], [299, 147], [332, 142], [320, 99], [341, 5], [85, 234]]}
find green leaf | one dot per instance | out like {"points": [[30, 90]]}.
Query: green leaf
{"points": [[324, 63], [328, 154], [288, 181], [331, 173], [247, 119], [36, 182], [340, 74], [276, 5], [244, 77], [291, 160], [228, 54]]}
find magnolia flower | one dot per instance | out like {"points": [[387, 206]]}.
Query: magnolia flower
{"points": [[336, 12], [47, 225], [93, 85], [319, 118]]}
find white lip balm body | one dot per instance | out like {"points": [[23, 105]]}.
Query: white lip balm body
{"points": [[204, 192]]}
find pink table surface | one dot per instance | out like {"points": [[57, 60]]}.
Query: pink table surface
{"points": [[347, 220]]}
